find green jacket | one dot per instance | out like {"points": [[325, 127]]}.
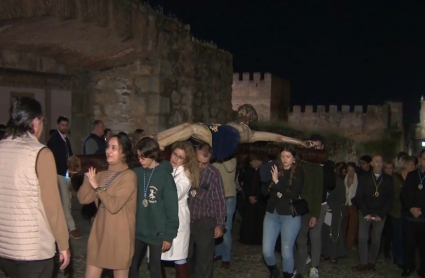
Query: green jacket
{"points": [[158, 221], [313, 187]]}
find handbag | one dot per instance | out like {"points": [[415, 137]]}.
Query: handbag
{"points": [[299, 207]]}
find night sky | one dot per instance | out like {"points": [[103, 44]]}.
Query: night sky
{"points": [[334, 52]]}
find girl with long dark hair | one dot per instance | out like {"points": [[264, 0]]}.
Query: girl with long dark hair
{"points": [[285, 187], [111, 241]]}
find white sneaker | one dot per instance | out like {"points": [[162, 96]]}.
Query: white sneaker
{"points": [[308, 260], [314, 272]]}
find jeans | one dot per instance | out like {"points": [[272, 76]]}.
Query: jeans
{"points": [[66, 201], [223, 249], [288, 228]]}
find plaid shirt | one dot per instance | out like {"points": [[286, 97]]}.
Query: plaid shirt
{"points": [[209, 200]]}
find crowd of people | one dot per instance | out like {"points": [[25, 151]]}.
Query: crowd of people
{"points": [[375, 206], [182, 209]]}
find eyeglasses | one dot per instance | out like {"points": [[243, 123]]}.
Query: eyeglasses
{"points": [[178, 156]]}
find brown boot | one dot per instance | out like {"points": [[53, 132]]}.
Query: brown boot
{"points": [[182, 271], [361, 267], [371, 266]]}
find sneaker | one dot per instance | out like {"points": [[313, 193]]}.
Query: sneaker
{"points": [[308, 260], [296, 275], [314, 272], [75, 234]]}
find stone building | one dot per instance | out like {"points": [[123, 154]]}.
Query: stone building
{"points": [[417, 132], [269, 95], [114, 60]]}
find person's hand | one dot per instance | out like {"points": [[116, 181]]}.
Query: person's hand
{"points": [[91, 175], [218, 232], [252, 199], [274, 173], [313, 222], [416, 212], [166, 246], [65, 258], [377, 219], [368, 217]]}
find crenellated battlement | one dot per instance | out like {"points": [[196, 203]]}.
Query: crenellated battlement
{"points": [[359, 122], [268, 94], [252, 77], [343, 109]]}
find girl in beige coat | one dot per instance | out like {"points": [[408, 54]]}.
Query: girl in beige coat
{"points": [[111, 241]]}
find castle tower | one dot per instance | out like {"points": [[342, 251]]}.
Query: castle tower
{"points": [[422, 112], [268, 94]]}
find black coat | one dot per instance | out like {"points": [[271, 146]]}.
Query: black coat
{"points": [[280, 196], [61, 151], [413, 196], [366, 200]]}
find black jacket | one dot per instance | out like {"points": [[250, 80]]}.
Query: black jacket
{"points": [[61, 151], [412, 196], [101, 144], [366, 200], [281, 205], [251, 184]]}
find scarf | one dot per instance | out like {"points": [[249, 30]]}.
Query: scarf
{"points": [[350, 192]]}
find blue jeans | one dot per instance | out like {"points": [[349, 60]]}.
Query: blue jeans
{"points": [[223, 249], [288, 227]]}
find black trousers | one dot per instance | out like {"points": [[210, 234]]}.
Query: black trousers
{"points": [[155, 252], [414, 237], [201, 248], [387, 237], [27, 269]]}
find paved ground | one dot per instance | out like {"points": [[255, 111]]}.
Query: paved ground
{"points": [[246, 260]]}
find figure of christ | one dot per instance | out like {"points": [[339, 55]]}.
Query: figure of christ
{"points": [[203, 132]]}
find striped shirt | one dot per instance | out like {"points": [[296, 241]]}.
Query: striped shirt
{"points": [[209, 200]]}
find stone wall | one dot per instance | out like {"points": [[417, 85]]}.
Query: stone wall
{"points": [[269, 95], [355, 122], [341, 150], [132, 66]]}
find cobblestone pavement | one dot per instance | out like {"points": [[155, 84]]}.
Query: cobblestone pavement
{"points": [[246, 260]]}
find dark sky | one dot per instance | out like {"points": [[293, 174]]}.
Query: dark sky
{"points": [[334, 52]]}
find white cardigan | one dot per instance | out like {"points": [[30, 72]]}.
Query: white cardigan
{"points": [[350, 192]]}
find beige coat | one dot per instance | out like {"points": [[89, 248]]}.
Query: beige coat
{"points": [[112, 238]]}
